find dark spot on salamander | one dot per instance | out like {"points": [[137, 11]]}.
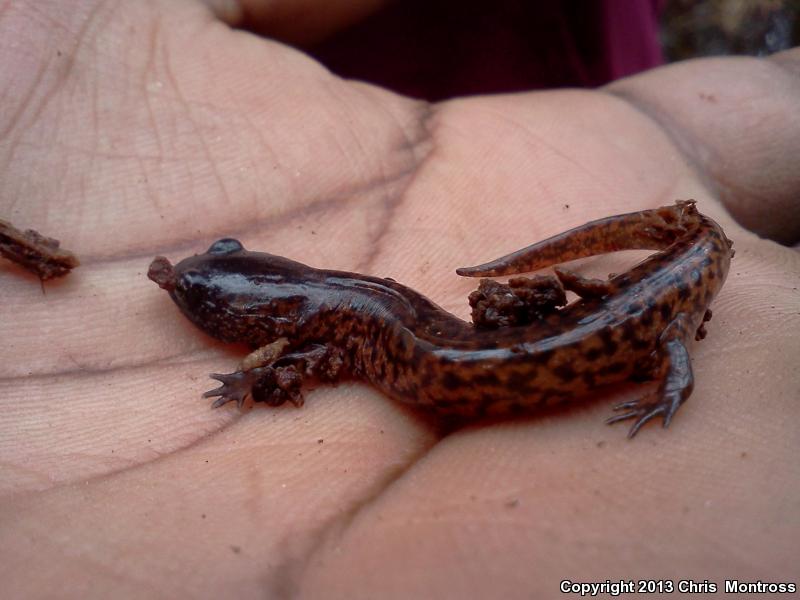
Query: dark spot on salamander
{"points": [[628, 330], [485, 379], [442, 404], [592, 354], [543, 357], [565, 372], [515, 408], [615, 367], [666, 311], [521, 381], [609, 345], [683, 291], [479, 409], [452, 381]]}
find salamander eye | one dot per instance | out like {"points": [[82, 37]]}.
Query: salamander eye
{"points": [[225, 246]]}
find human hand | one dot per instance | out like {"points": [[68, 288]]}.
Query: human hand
{"points": [[137, 129]]}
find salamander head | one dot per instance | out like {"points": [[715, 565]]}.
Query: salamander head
{"points": [[236, 295]]}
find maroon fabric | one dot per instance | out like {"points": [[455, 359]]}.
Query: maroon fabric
{"points": [[631, 36], [437, 49]]}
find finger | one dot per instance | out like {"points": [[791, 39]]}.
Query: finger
{"points": [[745, 139]]}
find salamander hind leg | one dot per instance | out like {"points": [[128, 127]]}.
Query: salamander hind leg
{"points": [[266, 375], [677, 380], [585, 287]]}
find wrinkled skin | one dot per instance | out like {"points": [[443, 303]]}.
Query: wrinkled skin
{"points": [[137, 129]]}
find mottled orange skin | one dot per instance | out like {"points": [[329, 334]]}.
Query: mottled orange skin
{"points": [[330, 324]]}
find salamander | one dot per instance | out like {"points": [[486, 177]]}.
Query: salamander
{"points": [[526, 348]]}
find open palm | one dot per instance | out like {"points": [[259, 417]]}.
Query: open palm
{"points": [[136, 129]]}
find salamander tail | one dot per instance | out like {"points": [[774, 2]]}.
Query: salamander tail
{"points": [[654, 229]]}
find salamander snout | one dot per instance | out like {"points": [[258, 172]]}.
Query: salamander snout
{"points": [[166, 276], [163, 273], [234, 294]]}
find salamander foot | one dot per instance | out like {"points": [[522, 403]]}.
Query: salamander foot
{"points": [[271, 385], [677, 380], [646, 409], [273, 377]]}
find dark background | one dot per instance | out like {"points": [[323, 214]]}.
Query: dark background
{"points": [[436, 49]]}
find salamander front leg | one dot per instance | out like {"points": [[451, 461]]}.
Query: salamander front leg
{"points": [[263, 384], [677, 380], [270, 376]]}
